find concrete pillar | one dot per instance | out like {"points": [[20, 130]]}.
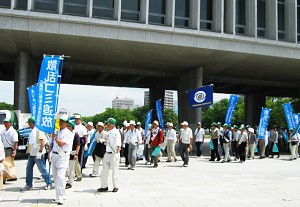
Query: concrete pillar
{"points": [[170, 13], [290, 21], [25, 74], [251, 18], [29, 5], [90, 8], [189, 80], [155, 93], [144, 11], [229, 16], [271, 19], [195, 14], [253, 105], [218, 16], [60, 6]]}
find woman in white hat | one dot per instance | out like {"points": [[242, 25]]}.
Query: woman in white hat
{"points": [[171, 137]]}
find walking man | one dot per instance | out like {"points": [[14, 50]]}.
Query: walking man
{"points": [[242, 143], [112, 157], [62, 146], [199, 138], [226, 139], [185, 143], [215, 134], [133, 138], [171, 137], [36, 149]]}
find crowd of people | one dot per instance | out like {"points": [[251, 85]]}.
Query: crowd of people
{"points": [[66, 148]]}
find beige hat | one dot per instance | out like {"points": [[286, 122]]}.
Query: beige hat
{"points": [[77, 116], [90, 123], [156, 122], [170, 124], [251, 130], [185, 123], [100, 124], [132, 122]]}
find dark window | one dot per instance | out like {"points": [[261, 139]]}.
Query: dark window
{"points": [[240, 17], [261, 18], [182, 13], [46, 5], [75, 7], [21, 4], [298, 20], [103, 8], [131, 10], [281, 27], [206, 14], [157, 11], [5, 3]]}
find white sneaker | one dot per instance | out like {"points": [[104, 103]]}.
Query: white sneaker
{"points": [[26, 188], [49, 187], [93, 175]]}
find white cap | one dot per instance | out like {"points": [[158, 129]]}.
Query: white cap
{"points": [[170, 124], [139, 123], [132, 122], [90, 123], [77, 116], [156, 122], [185, 123], [64, 117], [124, 123], [251, 130], [100, 124], [127, 125]]}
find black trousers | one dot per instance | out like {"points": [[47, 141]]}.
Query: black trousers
{"points": [[215, 151], [242, 152], [235, 149], [271, 149], [126, 149], [198, 145], [222, 147], [147, 153]]}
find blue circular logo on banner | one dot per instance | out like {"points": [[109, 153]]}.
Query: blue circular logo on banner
{"points": [[200, 96]]}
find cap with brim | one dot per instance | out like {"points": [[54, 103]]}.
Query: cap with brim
{"points": [[156, 122], [219, 123], [64, 117], [235, 126], [30, 120], [132, 122], [170, 124], [185, 123], [100, 124], [214, 124], [90, 123], [112, 121], [7, 120], [71, 124], [251, 130], [198, 123], [225, 125], [77, 116], [138, 124], [242, 128]]}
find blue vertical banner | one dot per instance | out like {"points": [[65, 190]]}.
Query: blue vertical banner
{"points": [[33, 96], [297, 119], [289, 115], [297, 130], [231, 108], [263, 122], [201, 97], [159, 114], [48, 91], [148, 121]]}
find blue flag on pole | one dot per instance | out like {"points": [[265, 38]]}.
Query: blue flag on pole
{"points": [[297, 119], [289, 115], [201, 97], [48, 90], [231, 108], [91, 146], [159, 114], [263, 123], [33, 96], [148, 121]]}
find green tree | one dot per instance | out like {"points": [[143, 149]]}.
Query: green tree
{"points": [[238, 116], [215, 113], [170, 116], [6, 106], [277, 116], [140, 114]]}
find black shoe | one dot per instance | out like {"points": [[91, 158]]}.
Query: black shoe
{"points": [[175, 160], [78, 179], [60, 204], [68, 186], [13, 179], [218, 159], [278, 156], [115, 190], [211, 160], [168, 161], [155, 166], [102, 189]]}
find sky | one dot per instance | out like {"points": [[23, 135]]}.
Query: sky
{"points": [[89, 100]]}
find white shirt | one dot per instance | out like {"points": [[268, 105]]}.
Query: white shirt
{"points": [[186, 135], [81, 130], [236, 135], [2, 152], [34, 141], [199, 133], [67, 137], [142, 131], [148, 135], [171, 134], [9, 137], [243, 137], [113, 140], [133, 137], [90, 134]]}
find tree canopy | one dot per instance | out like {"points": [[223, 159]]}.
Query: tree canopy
{"points": [[6, 106]]}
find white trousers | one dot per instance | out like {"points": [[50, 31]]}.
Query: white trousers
{"points": [[110, 161], [252, 148], [171, 149], [293, 150], [96, 164], [71, 171], [226, 150], [59, 168]]}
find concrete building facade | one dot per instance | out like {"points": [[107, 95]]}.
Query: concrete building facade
{"points": [[123, 103], [248, 47], [168, 99]]}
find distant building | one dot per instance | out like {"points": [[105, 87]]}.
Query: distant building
{"points": [[168, 100], [119, 103]]}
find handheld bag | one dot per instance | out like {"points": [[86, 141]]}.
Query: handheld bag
{"points": [[156, 152]]}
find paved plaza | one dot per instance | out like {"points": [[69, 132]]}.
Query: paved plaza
{"points": [[267, 182]]}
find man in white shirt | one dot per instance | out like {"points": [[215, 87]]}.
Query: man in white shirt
{"points": [[186, 141], [36, 149], [199, 138], [62, 146], [133, 138], [170, 138], [226, 140], [82, 132], [112, 157], [9, 138], [140, 147]]}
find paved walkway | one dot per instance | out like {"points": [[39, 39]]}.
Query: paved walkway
{"points": [[267, 182]]}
